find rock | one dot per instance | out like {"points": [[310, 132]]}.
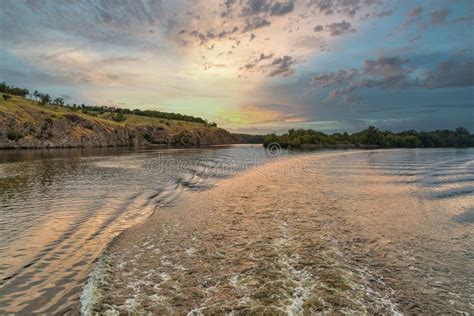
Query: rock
{"points": [[73, 130]]}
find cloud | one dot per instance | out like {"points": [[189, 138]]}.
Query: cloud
{"points": [[336, 28], [255, 23], [255, 7], [391, 70], [439, 16], [348, 8], [415, 12], [282, 8], [318, 28], [277, 67], [281, 66], [450, 74], [393, 73], [413, 16], [205, 37], [416, 17], [329, 79], [339, 28], [383, 14]]}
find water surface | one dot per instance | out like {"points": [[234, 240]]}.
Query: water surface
{"points": [[411, 210], [60, 208]]}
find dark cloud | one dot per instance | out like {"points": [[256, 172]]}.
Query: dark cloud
{"points": [[282, 8], [451, 74], [253, 64], [198, 35], [263, 56], [256, 6], [329, 79], [336, 28], [438, 16], [281, 66], [339, 28], [203, 38], [346, 7], [255, 23], [318, 28], [391, 70], [393, 73], [383, 14], [267, 7], [228, 4]]}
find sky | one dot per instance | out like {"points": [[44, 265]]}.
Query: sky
{"points": [[252, 66]]}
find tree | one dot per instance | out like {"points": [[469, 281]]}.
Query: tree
{"points": [[45, 98], [119, 117], [59, 101]]}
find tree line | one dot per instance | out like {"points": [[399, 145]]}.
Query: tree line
{"points": [[373, 137], [44, 98], [249, 139]]}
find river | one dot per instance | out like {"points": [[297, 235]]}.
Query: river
{"points": [[60, 208]]}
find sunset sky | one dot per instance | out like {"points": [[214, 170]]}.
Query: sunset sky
{"points": [[252, 66]]}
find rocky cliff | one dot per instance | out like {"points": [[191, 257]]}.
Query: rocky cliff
{"points": [[25, 124]]}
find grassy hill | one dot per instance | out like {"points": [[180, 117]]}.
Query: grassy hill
{"points": [[25, 123]]}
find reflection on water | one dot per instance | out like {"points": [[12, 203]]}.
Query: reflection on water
{"points": [[411, 211], [59, 208], [415, 209], [339, 232]]}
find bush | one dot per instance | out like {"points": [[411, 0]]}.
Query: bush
{"points": [[6, 96], [14, 135], [119, 117]]}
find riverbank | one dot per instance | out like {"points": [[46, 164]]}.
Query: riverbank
{"points": [[276, 240], [26, 124]]}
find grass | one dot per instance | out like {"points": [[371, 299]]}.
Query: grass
{"points": [[27, 110]]}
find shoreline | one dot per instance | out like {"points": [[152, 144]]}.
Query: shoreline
{"points": [[149, 146], [120, 281]]}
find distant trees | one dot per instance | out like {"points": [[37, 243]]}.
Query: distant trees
{"points": [[45, 99], [249, 139], [372, 136], [4, 88], [58, 101]]}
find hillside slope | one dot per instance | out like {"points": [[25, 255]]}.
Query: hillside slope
{"points": [[26, 124]]}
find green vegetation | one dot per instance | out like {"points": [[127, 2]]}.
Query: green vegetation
{"points": [[249, 139], [32, 125], [118, 114], [373, 137], [4, 88], [119, 117]]}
